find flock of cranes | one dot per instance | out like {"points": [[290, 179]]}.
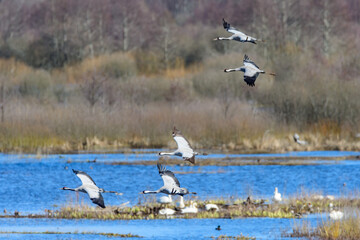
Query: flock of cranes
{"points": [[250, 69], [171, 185]]}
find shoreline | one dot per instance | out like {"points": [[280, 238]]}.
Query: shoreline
{"points": [[226, 209], [97, 148]]}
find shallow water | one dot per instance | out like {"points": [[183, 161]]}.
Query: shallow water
{"points": [[31, 184], [261, 228]]}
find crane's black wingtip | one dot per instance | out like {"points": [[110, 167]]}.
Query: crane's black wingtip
{"points": [[226, 25], [160, 167], [192, 159], [75, 171], [98, 201]]}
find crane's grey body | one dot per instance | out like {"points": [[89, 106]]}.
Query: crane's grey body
{"points": [[184, 149], [171, 184], [237, 35], [250, 69], [89, 186]]}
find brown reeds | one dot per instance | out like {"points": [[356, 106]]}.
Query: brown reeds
{"points": [[348, 228]]}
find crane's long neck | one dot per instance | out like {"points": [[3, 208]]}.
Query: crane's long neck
{"points": [[151, 192], [182, 204], [165, 153], [104, 191], [242, 69], [223, 38], [70, 189]]}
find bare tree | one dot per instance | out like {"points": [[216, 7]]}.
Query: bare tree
{"points": [[11, 18], [93, 88]]}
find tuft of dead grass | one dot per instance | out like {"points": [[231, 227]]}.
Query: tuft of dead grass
{"points": [[348, 228]]}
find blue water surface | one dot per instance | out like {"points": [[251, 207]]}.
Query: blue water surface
{"points": [[261, 228], [31, 184]]}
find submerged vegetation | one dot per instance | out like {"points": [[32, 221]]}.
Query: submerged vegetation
{"points": [[225, 237]]}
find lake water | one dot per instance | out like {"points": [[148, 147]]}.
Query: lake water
{"points": [[261, 228], [30, 184]]}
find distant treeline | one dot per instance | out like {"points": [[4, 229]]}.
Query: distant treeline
{"points": [[52, 33]]}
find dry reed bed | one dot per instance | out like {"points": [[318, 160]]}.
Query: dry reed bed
{"points": [[45, 129], [345, 229], [294, 207]]}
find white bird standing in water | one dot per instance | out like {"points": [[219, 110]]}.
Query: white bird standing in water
{"points": [[184, 149], [237, 35], [251, 71], [181, 203], [298, 141], [167, 211], [211, 206], [191, 209], [277, 196], [89, 186]]}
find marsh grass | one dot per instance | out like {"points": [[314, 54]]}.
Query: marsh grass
{"points": [[152, 212], [231, 207], [149, 209], [293, 207], [348, 228], [66, 128]]}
